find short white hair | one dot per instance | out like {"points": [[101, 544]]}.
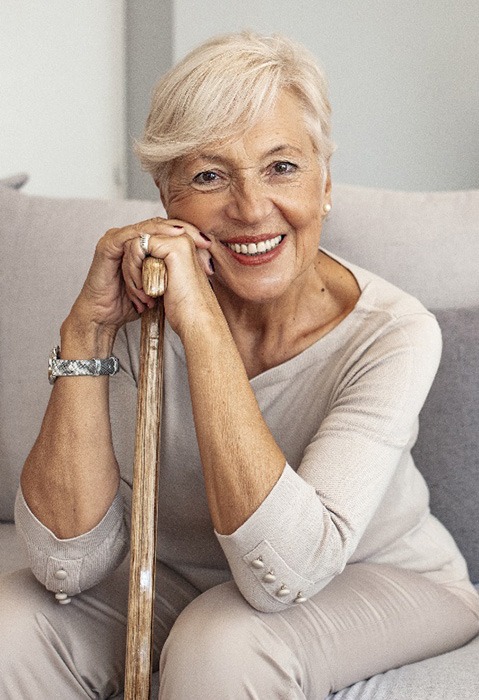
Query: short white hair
{"points": [[225, 86]]}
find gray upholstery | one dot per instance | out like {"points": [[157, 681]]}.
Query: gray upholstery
{"points": [[447, 450], [426, 243]]}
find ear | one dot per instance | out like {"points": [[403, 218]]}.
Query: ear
{"points": [[327, 188]]}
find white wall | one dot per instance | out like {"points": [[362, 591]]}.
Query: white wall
{"points": [[404, 79], [62, 95]]}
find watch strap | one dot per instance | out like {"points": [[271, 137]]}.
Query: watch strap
{"points": [[94, 367]]}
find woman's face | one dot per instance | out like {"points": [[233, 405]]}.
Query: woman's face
{"points": [[260, 201]]}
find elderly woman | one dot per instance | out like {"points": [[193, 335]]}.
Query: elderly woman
{"points": [[294, 529]]}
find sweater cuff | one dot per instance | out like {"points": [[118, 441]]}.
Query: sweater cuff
{"points": [[261, 553], [77, 563]]}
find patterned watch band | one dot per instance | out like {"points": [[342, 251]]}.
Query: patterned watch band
{"points": [[80, 368]]}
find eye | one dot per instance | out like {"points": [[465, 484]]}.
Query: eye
{"points": [[284, 167], [207, 178]]}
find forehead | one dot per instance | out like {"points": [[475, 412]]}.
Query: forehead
{"points": [[281, 131]]}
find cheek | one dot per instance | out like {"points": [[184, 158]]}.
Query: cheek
{"points": [[189, 207], [307, 224], [305, 215], [303, 203], [207, 213]]}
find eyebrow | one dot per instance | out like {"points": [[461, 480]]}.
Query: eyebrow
{"points": [[280, 148], [283, 147]]}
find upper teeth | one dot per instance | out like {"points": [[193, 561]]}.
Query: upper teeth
{"points": [[255, 248]]}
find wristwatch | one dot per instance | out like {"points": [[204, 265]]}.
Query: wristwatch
{"points": [[80, 368]]}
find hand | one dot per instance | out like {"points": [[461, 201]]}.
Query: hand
{"points": [[185, 251], [112, 294]]}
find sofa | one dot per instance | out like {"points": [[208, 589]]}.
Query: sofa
{"points": [[426, 243]]}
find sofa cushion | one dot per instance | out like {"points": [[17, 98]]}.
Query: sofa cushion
{"points": [[46, 246], [424, 242], [451, 676], [447, 450]]}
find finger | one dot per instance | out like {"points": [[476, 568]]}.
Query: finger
{"points": [[203, 255], [200, 239], [206, 262], [112, 244], [172, 227], [131, 268]]}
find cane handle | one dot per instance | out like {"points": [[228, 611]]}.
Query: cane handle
{"points": [[154, 277]]}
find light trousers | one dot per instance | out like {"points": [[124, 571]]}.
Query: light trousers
{"points": [[369, 619]]}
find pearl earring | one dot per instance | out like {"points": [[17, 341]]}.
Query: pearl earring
{"points": [[327, 208]]}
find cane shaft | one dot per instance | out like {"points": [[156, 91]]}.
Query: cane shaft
{"points": [[139, 643]]}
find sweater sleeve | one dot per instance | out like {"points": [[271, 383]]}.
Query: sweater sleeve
{"points": [[310, 524]]}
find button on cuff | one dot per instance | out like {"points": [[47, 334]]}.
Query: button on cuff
{"points": [[274, 575], [269, 577], [283, 591], [258, 563], [300, 598], [63, 576]]}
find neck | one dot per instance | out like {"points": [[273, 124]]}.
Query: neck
{"points": [[268, 333]]}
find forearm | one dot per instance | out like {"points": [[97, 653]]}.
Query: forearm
{"points": [[71, 476], [241, 461]]}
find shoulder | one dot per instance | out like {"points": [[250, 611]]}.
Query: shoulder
{"points": [[384, 309], [403, 316]]}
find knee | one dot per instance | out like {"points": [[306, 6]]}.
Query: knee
{"points": [[210, 627], [219, 647]]}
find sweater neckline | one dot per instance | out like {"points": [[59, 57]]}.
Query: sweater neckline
{"points": [[319, 351]]}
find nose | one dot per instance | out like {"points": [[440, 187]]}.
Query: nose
{"points": [[249, 201]]}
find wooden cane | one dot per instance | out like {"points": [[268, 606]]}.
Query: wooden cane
{"points": [[145, 489]]}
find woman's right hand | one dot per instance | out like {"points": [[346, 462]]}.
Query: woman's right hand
{"points": [[105, 302]]}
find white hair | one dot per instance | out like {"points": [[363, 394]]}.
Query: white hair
{"points": [[225, 86]]}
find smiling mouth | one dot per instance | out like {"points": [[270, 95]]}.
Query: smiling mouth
{"points": [[255, 248]]}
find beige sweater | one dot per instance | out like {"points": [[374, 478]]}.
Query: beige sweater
{"points": [[345, 414]]}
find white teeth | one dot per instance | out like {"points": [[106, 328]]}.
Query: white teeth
{"points": [[255, 248]]}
